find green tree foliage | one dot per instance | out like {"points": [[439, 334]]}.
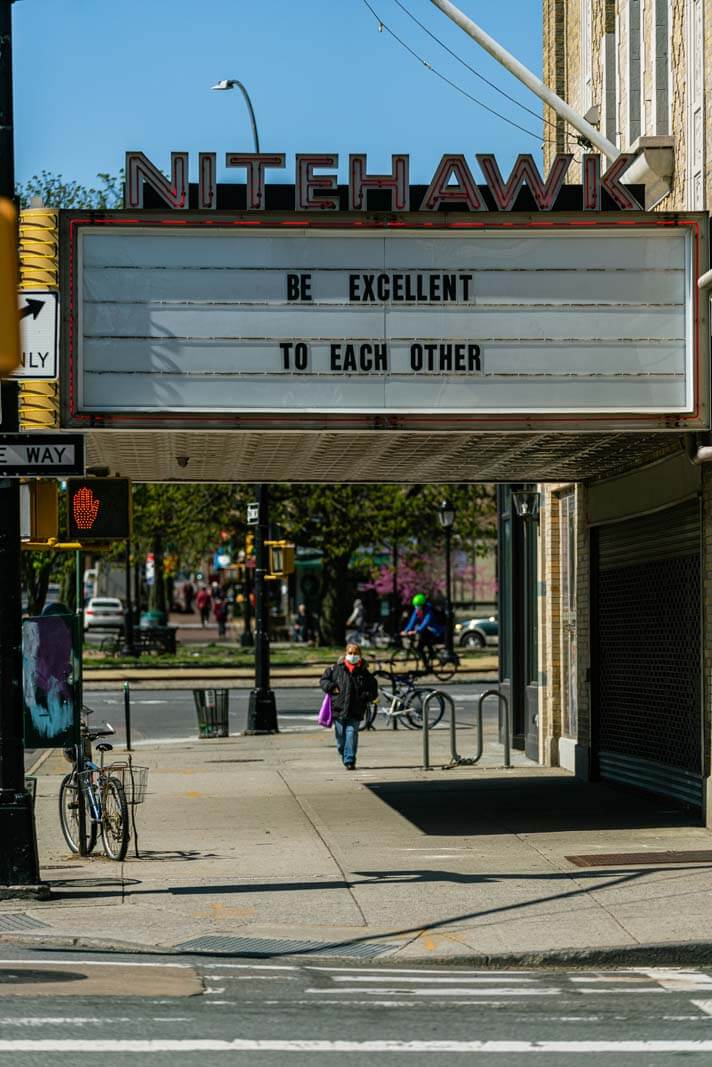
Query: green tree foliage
{"points": [[53, 190], [348, 520]]}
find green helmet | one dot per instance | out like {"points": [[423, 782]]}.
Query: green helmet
{"points": [[419, 600]]}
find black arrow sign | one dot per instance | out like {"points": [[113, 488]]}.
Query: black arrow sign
{"points": [[32, 308]]}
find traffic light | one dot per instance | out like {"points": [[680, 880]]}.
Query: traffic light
{"points": [[9, 314], [99, 509], [281, 557], [249, 544]]}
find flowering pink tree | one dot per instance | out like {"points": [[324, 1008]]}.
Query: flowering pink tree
{"points": [[416, 574]]}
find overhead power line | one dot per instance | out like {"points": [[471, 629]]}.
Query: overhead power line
{"points": [[471, 69], [448, 81]]}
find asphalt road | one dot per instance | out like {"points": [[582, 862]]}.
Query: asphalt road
{"points": [[169, 714], [322, 1010]]}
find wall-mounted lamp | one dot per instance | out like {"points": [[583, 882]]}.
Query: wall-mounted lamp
{"points": [[527, 503]]}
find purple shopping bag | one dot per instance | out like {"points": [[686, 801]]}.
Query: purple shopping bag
{"points": [[325, 714]]}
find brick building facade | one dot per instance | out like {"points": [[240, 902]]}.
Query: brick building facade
{"points": [[641, 70]]}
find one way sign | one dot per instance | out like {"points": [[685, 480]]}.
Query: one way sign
{"points": [[38, 334], [44, 455]]}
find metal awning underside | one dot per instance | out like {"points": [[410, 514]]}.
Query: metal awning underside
{"points": [[376, 456]]}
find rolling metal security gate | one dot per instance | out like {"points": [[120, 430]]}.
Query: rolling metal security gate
{"points": [[646, 640]]}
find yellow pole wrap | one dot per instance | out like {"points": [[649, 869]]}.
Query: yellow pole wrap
{"points": [[39, 269]]}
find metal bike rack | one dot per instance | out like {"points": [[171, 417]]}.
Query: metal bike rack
{"points": [[456, 760], [426, 725], [506, 731]]}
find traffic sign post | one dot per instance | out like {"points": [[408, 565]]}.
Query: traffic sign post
{"points": [[39, 310], [19, 862]]}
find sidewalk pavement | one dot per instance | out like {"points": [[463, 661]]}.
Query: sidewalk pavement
{"points": [[268, 846], [170, 677]]}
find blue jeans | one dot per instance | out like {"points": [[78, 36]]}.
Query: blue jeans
{"points": [[347, 739]]}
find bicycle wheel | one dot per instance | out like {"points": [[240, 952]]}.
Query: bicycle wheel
{"points": [[445, 665], [404, 661], [69, 801], [114, 819], [436, 708]]}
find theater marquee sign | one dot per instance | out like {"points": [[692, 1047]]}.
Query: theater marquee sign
{"points": [[520, 302]]}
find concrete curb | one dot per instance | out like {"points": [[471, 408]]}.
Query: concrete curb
{"points": [[672, 954]]}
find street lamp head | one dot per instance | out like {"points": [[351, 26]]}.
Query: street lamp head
{"points": [[226, 83], [527, 503], [446, 514]]}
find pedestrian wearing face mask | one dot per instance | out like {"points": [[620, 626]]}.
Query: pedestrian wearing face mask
{"points": [[352, 688]]}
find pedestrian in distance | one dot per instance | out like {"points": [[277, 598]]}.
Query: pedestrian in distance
{"points": [[352, 688], [220, 613], [203, 602], [188, 594], [356, 621], [303, 625]]}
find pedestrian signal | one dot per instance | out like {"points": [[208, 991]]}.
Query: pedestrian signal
{"points": [[9, 314], [99, 509]]}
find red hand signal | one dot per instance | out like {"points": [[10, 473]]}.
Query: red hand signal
{"points": [[85, 508]]}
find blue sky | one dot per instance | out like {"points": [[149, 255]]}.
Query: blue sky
{"points": [[94, 78]]}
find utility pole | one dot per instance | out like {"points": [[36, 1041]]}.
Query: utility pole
{"points": [[19, 865], [262, 713]]}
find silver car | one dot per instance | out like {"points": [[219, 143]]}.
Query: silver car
{"points": [[103, 613]]}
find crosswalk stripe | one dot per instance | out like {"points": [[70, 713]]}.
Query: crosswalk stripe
{"points": [[449, 992], [430, 979], [126, 1046]]}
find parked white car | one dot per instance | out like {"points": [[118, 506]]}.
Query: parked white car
{"points": [[103, 613]]}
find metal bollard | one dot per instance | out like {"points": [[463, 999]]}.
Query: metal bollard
{"points": [[127, 714]]}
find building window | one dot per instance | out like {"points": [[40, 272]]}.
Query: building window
{"points": [[634, 69], [586, 57], [695, 89], [609, 118], [661, 68]]}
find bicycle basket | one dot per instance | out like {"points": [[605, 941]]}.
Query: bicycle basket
{"points": [[134, 779]]}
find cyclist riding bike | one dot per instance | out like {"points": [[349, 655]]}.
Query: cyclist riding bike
{"points": [[424, 624]]}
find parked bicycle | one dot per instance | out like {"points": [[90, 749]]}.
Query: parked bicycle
{"points": [[437, 661], [92, 799], [399, 700]]}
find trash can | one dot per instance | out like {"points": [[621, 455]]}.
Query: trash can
{"points": [[211, 706]]}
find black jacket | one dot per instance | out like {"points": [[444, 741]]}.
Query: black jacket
{"points": [[356, 689]]}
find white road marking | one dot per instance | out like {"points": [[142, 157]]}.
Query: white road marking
{"points": [[500, 975], [607, 978], [248, 967], [125, 1046], [489, 992], [428, 980], [679, 980], [703, 1005]]}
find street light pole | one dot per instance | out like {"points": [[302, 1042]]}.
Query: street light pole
{"points": [[19, 865], [446, 515], [262, 712], [448, 588]]}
